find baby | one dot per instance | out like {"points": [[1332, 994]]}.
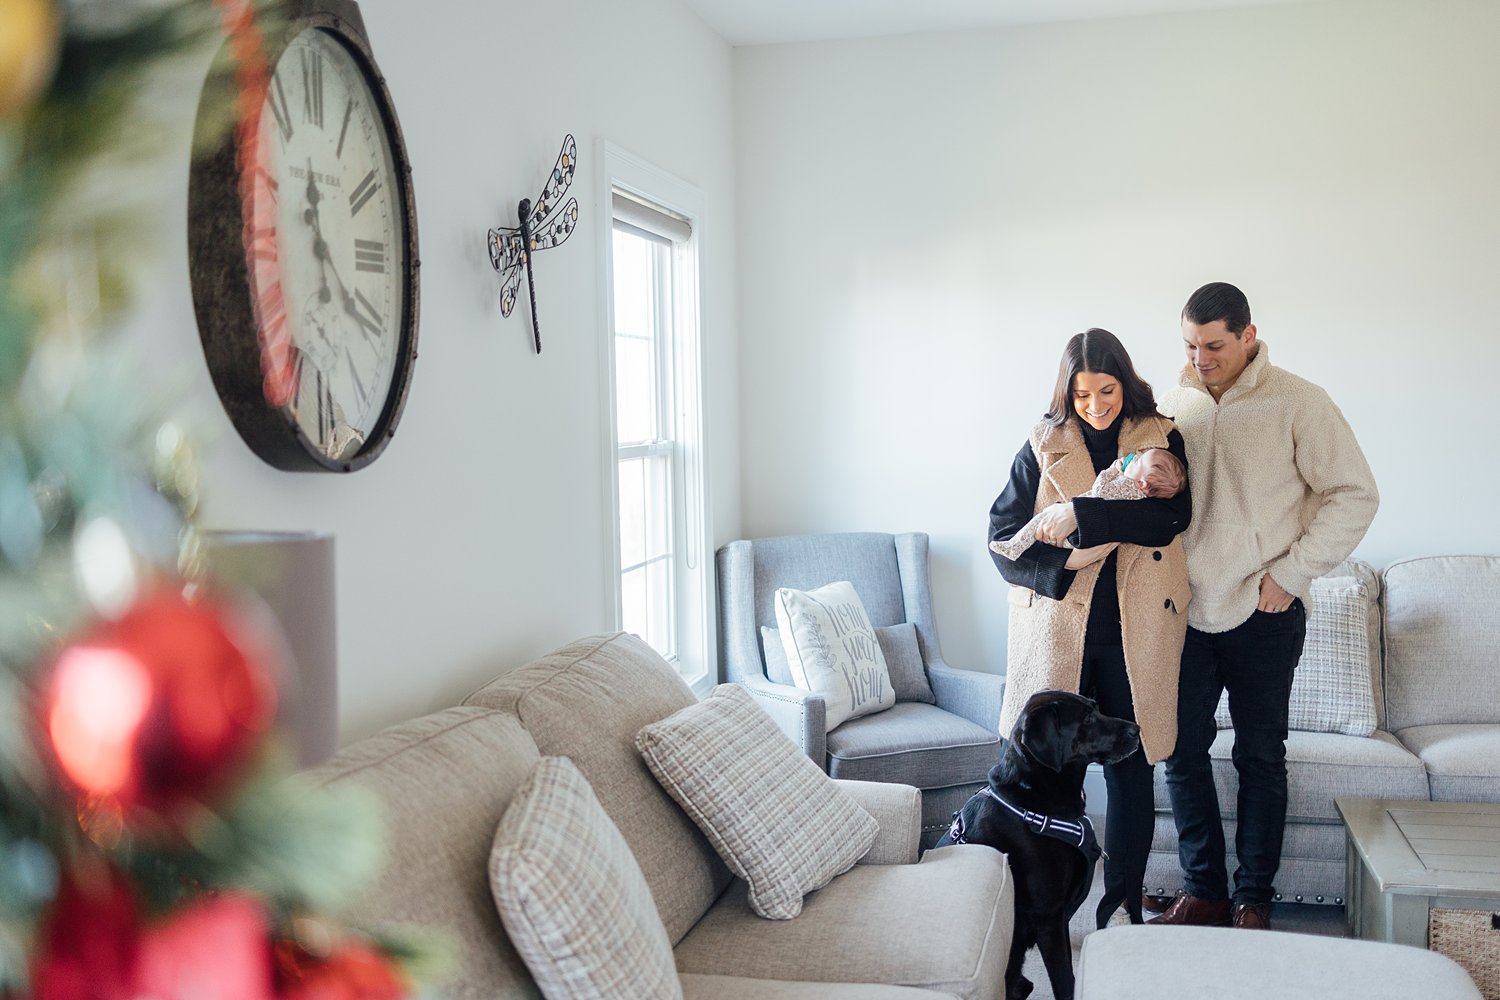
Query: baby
{"points": [[1155, 472]]}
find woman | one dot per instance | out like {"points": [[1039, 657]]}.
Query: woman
{"points": [[1106, 622]]}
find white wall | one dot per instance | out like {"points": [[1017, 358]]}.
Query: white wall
{"points": [[477, 539], [925, 220]]}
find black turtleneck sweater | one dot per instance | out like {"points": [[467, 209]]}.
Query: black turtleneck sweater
{"points": [[1141, 522]]}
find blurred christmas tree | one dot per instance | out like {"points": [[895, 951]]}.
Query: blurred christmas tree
{"points": [[151, 841]]}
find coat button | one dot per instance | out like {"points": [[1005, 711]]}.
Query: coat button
{"points": [[1167, 603], [1156, 556]]}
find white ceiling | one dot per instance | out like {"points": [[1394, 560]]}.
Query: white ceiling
{"points": [[767, 22]]}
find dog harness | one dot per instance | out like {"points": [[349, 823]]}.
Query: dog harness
{"points": [[1078, 833]]}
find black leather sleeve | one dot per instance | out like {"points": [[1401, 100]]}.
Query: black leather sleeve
{"points": [[1040, 567], [1143, 522]]}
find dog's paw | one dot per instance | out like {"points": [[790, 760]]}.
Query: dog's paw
{"points": [[1020, 989]]}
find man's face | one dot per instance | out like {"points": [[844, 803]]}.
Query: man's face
{"points": [[1216, 354]]}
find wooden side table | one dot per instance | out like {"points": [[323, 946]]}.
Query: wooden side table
{"points": [[1405, 859]]}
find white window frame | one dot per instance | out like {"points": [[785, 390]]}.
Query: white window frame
{"points": [[694, 618]]}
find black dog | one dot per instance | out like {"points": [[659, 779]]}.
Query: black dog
{"points": [[1032, 811]]}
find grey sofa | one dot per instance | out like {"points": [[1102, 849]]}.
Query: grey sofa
{"points": [[945, 749], [1434, 624], [888, 929]]}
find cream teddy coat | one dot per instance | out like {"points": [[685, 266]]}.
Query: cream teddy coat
{"points": [[1045, 644]]}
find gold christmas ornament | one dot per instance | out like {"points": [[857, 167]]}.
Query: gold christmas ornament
{"points": [[29, 41]]}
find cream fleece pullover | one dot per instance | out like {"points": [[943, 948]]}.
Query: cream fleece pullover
{"points": [[1280, 485]]}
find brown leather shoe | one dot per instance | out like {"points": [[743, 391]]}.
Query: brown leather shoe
{"points": [[1155, 904], [1196, 912], [1253, 916]]}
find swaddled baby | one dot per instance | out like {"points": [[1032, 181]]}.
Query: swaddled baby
{"points": [[1154, 472]]}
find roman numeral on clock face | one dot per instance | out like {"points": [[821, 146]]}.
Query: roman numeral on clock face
{"points": [[363, 193], [369, 255], [344, 129], [277, 97], [365, 314], [312, 87]]}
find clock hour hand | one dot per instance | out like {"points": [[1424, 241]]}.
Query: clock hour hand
{"points": [[320, 246]]}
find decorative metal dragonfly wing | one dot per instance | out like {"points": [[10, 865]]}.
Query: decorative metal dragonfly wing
{"points": [[547, 223]]}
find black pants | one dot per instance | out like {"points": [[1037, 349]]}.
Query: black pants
{"points": [[1131, 811], [1254, 662]]}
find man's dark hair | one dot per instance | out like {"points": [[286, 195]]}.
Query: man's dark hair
{"points": [[1218, 300], [1099, 352]]}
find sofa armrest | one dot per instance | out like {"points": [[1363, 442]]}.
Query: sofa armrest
{"points": [[800, 714], [898, 810], [968, 694]]}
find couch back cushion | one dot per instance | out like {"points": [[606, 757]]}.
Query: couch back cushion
{"points": [[445, 780], [586, 701], [1442, 641], [867, 559]]}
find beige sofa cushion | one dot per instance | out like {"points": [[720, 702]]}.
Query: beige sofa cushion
{"points": [[446, 780], [943, 924], [586, 701], [779, 822], [573, 898]]}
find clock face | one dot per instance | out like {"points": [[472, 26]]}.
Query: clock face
{"points": [[326, 245]]}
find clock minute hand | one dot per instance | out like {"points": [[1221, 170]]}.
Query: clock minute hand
{"points": [[320, 246]]}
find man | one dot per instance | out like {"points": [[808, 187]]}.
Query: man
{"points": [[1281, 494]]}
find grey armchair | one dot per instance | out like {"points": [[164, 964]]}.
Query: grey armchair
{"points": [[945, 749]]}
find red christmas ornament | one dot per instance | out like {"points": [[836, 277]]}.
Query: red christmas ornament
{"points": [[354, 971], [216, 949], [93, 946], [157, 709], [87, 943]]}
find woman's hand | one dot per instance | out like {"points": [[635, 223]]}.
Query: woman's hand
{"points": [[1056, 524], [1079, 558]]}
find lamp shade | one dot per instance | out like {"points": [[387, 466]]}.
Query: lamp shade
{"points": [[293, 574]]}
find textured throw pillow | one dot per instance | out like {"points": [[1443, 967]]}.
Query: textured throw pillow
{"points": [[903, 660], [572, 897], [775, 818], [1331, 690], [832, 650]]}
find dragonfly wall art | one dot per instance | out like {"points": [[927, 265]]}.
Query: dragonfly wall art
{"points": [[543, 224]]}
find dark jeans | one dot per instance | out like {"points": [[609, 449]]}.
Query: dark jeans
{"points": [[1131, 811], [1255, 662]]}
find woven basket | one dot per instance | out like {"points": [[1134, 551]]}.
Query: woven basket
{"points": [[1472, 939]]}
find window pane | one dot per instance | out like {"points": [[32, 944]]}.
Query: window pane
{"points": [[658, 494], [633, 604], [632, 512], [635, 390], [634, 295], [659, 608]]}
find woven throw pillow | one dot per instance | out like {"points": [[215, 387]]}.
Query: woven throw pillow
{"points": [[775, 818], [903, 660], [572, 897], [832, 650], [1331, 690]]}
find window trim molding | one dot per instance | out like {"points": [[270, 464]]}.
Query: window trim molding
{"points": [[621, 170]]}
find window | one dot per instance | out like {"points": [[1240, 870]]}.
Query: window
{"points": [[658, 516]]}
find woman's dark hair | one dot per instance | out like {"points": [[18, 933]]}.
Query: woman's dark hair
{"points": [[1098, 351], [1218, 300]]}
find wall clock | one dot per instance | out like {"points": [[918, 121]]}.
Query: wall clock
{"points": [[302, 248]]}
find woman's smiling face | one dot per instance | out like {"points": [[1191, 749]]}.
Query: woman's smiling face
{"points": [[1096, 399]]}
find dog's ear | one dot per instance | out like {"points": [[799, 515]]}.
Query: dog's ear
{"points": [[1040, 735]]}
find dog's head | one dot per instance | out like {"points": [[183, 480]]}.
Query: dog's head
{"points": [[1057, 728]]}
